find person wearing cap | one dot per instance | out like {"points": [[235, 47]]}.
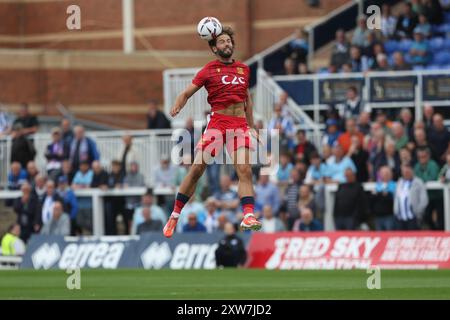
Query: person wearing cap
{"points": [[332, 132], [70, 203], [56, 152], [420, 50]]}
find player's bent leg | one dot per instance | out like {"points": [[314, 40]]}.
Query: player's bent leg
{"points": [[245, 189], [185, 191]]}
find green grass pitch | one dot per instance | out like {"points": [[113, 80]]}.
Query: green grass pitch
{"points": [[225, 284]]}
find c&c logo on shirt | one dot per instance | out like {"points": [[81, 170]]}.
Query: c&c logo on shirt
{"points": [[235, 80]]}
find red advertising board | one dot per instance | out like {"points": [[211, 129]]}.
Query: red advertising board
{"points": [[349, 250]]}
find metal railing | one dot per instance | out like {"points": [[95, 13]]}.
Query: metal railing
{"points": [[151, 146]]}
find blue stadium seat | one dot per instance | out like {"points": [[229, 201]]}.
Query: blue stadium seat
{"points": [[447, 17], [431, 67], [447, 43], [418, 68], [436, 44], [441, 58], [391, 46], [405, 45]]}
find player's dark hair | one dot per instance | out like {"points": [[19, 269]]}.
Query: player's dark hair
{"points": [[225, 30]]}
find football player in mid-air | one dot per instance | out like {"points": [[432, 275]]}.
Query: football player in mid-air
{"points": [[226, 81]]}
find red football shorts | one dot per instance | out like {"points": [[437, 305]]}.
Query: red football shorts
{"points": [[223, 129]]}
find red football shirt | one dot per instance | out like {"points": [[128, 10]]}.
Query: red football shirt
{"points": [[226, 84]]}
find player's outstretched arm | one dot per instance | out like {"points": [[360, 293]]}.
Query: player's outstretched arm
{"points": [[181, 100]]}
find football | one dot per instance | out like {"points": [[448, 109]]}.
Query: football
{"points": [[208, 28]]}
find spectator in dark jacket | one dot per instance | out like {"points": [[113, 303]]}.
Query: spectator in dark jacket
{"points": [[307, 222], [56, 152], [47, 204], [28, 121], [193, 224], [406, 22], [231, 250], [22, 149], [17, 176], [115, 205], [70, 204], [100, 177], [66, 131], [149, 224], [156, 119], [350, 206], [382, 200], [82, 149], [27, 209]]}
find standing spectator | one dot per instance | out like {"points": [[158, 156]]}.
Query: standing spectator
{"points": [[51, 196], [424, 25], [405, 157], [432, 10], [289, 66], [133, 179], [360, 34], [291, 195], [212, 215], [353, 106], [428, 113], [399, 63], [82, 149], [70, 204], [360, 158], [306, 199], [115, 205], [66, 131], [164, 175], [340, 53], [388, 21], [297, 48], [439, 138], [410, 200], [231, 250], [27, 209], [428, 170], [337, 165], [193, 206], [39, 188], [12, 245], [316, 171], [364, 123], [83, 177], [271, 224], [406, 120], [332, 132], [307, 222], [100, 177], [283, 123], [83, 180], [66, 170], [444, 174], [147, 201], [127, 153], [16, 177], [59, 223], [56, 152], [227, 200], [382, 200], [406, 22], [156, 119], [28, 121], [266, 193], [193, 224], [358, 61], [392, 158], [149, 224], [304, 148], [284, 172], [398, 135], [350, 206], [420, 50], [22, 149], [32, 172]]}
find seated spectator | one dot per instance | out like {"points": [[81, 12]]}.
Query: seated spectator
{"points": [[147, 201], [399, 63], [297, 48], [134, 179], [432, 10], [127, 153], [306, 222], [336, 166], [50, 198], [83, 177], [70, 204], [406, 119], [222, 222], [193, 225], [100, 177], [444, 174], [420, 50], [388, 21], [283, 123], [164, 175], [382, 200], [353, 106], [392, 158], [410, 200], [12, 245], [405, 157], [56, 152], [304, 148], [82, 149], [406, 22], [284, 171], [303, 69], [149, 224], [359, 38], [332, 132], [271, 224], [399, 136], [231, 250], [39, 188], [22, 149], [83, 180], [340, 53], [212, 214], [28, 121], [291, 195], [445, 5], [66, 132], [27, 208], [316, 171], [428, 113], [382, 62], [424, 25], [289, 66], [156, 119], [266, 193], [360, 158], [358, 62], [227, 200], [364, 123], [32, 172], [345, 139], [17, 176], [183, 169], [59, 223], [377, 154], [350, 207], [66, 170], [439, 138]]}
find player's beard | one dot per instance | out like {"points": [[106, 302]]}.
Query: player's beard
{"points": [[225, 53]]}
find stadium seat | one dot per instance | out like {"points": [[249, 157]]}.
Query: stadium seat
{"points": [[441, 58], [418, 68], [390, 46], [405, 45], [437, 44], [447, 43], [429, 67], [447, 17]]}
